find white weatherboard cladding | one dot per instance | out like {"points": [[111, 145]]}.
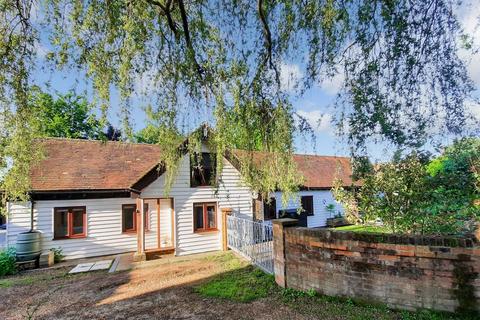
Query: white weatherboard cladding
{"points": [[231, 194], [104, 226], [321, 198], [104, 217], [18, 220]]}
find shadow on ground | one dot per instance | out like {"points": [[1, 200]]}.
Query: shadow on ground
{"points": [[169, 290]]}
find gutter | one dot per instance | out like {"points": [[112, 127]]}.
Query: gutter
{"points": [[82, 194]]}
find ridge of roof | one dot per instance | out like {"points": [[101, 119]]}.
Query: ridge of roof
{"points": [[319, 155], [94, 141], [156, 145]]}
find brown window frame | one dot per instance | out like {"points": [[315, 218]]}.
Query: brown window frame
{"points": [[270, 207], [309, 212], [145, 211], [204, 205], [212, 179], [70, 234]]}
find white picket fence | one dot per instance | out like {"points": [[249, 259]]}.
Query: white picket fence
{"points": [[253, 240]]}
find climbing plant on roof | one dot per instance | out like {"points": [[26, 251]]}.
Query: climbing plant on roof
{"points": [[398, 60]]}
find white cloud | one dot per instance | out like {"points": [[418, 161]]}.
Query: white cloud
{"points": [[332, 85], [42, 50], [290, 75], [320, 122], [473, 108], [468, 16], [145, 83]]}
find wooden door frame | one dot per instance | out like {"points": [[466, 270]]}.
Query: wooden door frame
{"points": [[172, 213]]}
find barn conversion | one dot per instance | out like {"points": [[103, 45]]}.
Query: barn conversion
{"points": [[94, 198]]}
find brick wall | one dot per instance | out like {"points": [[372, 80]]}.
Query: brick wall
{"points": [[440, 273]]}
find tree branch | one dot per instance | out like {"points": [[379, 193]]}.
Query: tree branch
{"points": [[167, 12], [188, 40], [266, 31]]}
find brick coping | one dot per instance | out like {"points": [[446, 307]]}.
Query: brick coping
{"points": [[330, 235]]}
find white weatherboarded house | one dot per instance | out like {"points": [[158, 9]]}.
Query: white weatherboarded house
{"points": [[88, 197]]}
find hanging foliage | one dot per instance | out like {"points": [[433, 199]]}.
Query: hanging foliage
{"points": [[398, 61]]}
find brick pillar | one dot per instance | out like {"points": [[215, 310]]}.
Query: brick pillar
{"points": [[279, 226]]}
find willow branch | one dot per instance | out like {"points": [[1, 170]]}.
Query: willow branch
{"points": [[166, 10], [266, 31], [188, 40]]}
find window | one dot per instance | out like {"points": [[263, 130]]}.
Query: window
{"points": [[202, 169], [69, 222], [204, 217], [307, 204], [129, 221], [270, 209]]}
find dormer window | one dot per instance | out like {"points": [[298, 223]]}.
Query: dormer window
{"points": [[202, 169]]}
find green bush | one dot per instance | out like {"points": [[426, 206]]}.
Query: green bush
{"points": [[57, 254], [414, 194], [7, 262]]}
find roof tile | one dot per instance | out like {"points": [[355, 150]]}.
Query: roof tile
{"points": [[71, 164]]}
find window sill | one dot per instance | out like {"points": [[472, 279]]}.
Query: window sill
{"points": [[206, 231], [135, 232], [70, 238]]}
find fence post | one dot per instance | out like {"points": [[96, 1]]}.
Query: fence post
{"points": [[225, 212], [279, 261]]}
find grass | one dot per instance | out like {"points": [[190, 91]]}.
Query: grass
{"points": [[27, 279], [363, 228], [247, 283], [241, 285]]}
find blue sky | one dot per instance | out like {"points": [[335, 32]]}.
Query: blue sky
{"points": [[316, 105]]}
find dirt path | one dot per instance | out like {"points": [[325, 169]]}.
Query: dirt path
{"points": [[164, 291]]}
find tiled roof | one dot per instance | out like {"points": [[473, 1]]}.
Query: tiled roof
{"points": [[319, 172], [92, 165], [71, 164]]}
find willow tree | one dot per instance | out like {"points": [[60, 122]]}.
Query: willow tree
{"points": [[398, 60]]}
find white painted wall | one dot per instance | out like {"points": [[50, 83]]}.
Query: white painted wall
{"points": [[231, 194], [321, 198], [104, 226], [104, 217]]}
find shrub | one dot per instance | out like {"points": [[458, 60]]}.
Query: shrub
{"points": [[412, 194], [57, 254], [7, 262]]}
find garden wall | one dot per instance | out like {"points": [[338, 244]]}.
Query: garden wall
{"points": [[407, 272]]}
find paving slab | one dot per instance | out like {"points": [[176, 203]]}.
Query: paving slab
{"points": [[101, 265], [92, 266], [82, 267]]}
